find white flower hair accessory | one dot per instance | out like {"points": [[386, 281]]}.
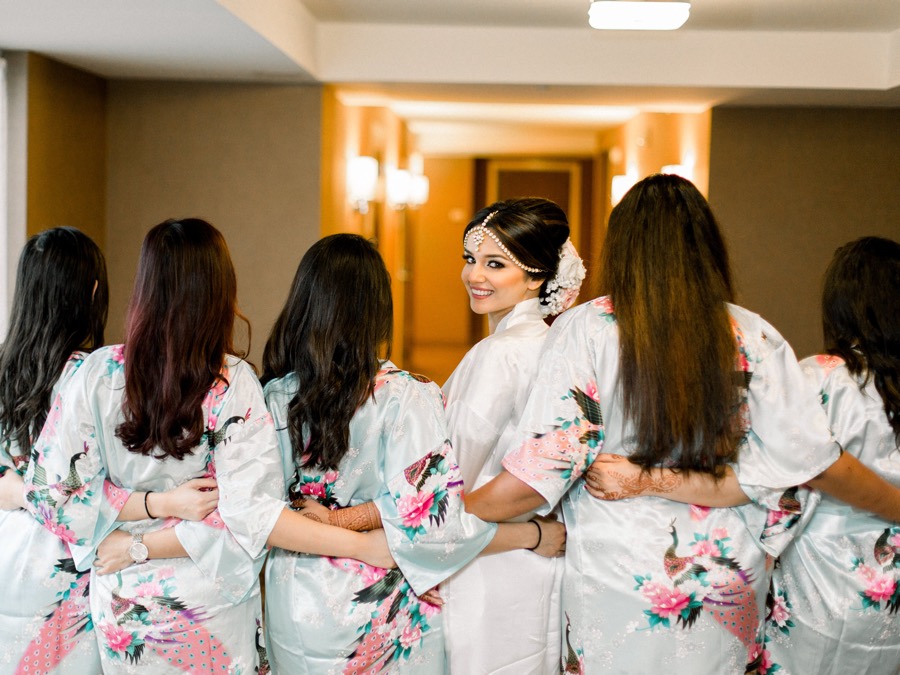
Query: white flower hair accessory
{"points": [[562, 289]]}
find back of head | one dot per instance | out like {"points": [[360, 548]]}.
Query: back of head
{"points": [[179, 329], [532, 229], [330, 333], [59, 305], [861, 315], [665, 266]]}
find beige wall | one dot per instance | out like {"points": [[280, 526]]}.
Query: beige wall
{"points": [[244, 157], [66, 148], [788, 186]]}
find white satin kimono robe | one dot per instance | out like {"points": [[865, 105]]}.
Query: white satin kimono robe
{"points": [[336, 615], [653, 585], [195, 614], [835, 601], [44, 608], [501, 612]]}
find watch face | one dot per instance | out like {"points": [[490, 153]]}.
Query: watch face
{"points": [[138, 552]]}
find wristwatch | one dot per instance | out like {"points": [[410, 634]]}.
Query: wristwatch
{"points": [[138, 549]]}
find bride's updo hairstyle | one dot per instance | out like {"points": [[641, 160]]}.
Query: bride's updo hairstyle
{"points": [[534, 233]]}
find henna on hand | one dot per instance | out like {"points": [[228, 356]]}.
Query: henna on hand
{"points": [[627, 486], [361, 518]]}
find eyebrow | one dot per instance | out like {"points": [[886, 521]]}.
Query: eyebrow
{"points": [[499, 256]]}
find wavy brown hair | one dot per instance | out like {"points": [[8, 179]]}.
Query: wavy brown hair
{"points": [[861, 316], [665, 266], [55, 311], [179, 329], [337, 320]]}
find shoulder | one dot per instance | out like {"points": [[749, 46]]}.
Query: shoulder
{"points": [[823, 369], [392, 382], [754, 333], [107, 361]]}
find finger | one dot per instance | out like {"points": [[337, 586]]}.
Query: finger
{"points": [[608, 457], [202, 483]]}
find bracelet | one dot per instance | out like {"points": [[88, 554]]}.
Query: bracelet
{"points": [[540, 533], [147, 508]]}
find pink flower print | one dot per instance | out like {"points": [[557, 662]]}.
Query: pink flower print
{"points": [[61, 531], [148, 589], [604, 304], [410, 637], [895, 540], [706, 547], [699, 512], [118, 354], [165, 573], [314, 489], [591, 390], [115, 495], [117, 638], [780, 612], [415, 508], [331, 477], [881, 588], [866, 573], [666, 601]]}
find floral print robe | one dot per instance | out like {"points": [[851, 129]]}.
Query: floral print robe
{"points": [[196, 614], [835, 603], [653, 585], [328, 615], [45, 624], [486, 395]]}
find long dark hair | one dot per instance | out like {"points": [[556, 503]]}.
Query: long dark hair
{"points": [[338, 317], [179, 329], [532, 228], [55, 311], [861, 316], [665, 266]]}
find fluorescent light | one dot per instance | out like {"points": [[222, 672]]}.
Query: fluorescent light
{"points": [[682, 170], [638, 14]]}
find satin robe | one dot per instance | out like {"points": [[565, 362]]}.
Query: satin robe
{"points": [[195, 614], [501, 612], [331, 615], [835, 600], [653, 585]]}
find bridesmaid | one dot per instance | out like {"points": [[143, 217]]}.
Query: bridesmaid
{"points": [[355, 430], [58, 316], [836, 592]]}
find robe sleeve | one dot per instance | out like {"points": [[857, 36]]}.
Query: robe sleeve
{"points": [[561, 431], [66, 484], [788, 443], [428, 530], [230, 544]]}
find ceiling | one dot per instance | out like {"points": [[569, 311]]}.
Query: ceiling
{"points": [[498, 68]]}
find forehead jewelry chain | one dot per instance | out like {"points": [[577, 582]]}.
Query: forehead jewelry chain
{"points": [[476, 236]]}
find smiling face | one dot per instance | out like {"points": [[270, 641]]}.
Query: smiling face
{"points": [[495, 285]]}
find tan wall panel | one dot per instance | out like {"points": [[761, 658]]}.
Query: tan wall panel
{"points": [[788, 187], [66, 148], [244, 157]]}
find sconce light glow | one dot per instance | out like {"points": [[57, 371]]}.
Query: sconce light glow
{"points": [[362, 182], [398, 184], [638, 14], [620, 185], [418, 190], [682, 170]]}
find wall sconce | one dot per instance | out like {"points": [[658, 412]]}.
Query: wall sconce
{"points": [[418, 190], [397, 188], [620, 185], [362, 182]]}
